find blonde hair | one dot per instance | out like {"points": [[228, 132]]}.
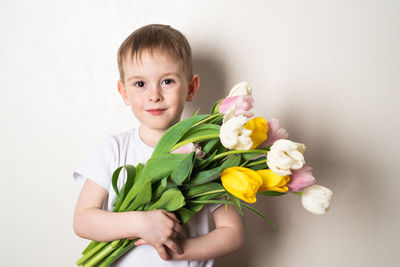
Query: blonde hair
{"points": [[156, 38]]}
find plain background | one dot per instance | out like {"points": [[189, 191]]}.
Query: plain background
{"points": [[329, 70]]}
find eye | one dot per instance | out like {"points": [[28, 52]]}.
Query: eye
{"points": [[167, 81], [140, 84]]}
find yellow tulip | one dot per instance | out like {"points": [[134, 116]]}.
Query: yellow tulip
{"points": [[259, 129], [241, 182], [272, 181]]}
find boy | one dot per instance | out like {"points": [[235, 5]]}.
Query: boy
{"points": [[156, 78]]}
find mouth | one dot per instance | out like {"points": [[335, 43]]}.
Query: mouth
{"points": [[156, 111]]}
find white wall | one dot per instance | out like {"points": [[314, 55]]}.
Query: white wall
{"points": [[329, 70]]}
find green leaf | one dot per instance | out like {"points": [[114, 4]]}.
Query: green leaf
{"points": [[237, 203], [231, 203], [201, 130], [131, 174], [162, 165], [139, 169], [170, 200], [206, 176], [271, 193], [196, 113], [217, 120], [214, 109], [114, 180], [175, 133], [258, 167], [259, 214], [199, 190], [210, 145], [184, 215], [160, 186], [143, 197], [202, 163], [183, 171]]}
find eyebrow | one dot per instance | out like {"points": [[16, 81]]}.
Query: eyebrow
{"points": [[141, 77]]}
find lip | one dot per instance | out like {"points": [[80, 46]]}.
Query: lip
{"points": [[156, 111]]}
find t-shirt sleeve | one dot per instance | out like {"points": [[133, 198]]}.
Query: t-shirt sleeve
{"points": [[212, 207], [100, 165]]}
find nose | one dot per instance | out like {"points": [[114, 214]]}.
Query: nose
{"points": [[155, 94]]}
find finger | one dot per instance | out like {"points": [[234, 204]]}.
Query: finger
{"points": [[140, 242], [174, 234], [172, 216], [173, 246], [177, 228], [163, 253]]}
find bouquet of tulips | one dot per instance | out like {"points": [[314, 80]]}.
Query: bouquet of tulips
{"points": [[218, 158]]}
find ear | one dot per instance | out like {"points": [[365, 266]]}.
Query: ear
{"points": [[122, 92], [193, 88]]}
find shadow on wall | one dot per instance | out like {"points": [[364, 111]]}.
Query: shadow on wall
{"points": [[213, 85]]}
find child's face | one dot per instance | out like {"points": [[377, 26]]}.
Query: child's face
{"points": [[156, 88]]}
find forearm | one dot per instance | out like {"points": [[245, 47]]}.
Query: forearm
{"points": [[222, 241], [101, 225]]}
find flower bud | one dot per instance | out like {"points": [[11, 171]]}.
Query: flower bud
{"points": [[233, 135], [273, 181], [301, 179], [275, 132], [285, 155], [259, 129], [241, 182], [241, 104], [317, 199], [242, 88]]}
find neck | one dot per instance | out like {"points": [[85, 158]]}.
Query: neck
{"points": [[149, 136]]}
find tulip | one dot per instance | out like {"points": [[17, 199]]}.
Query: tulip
{"points": [[241, 182], [275, 132], [301, 179], [189, 148], [242, 88], [259, 129], [285, 156], [272, 181], [317, 199], [233, 135], [241, 104]]}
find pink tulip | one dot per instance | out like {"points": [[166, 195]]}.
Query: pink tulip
{"points": [[300, 179], [189, 148], [242, 103], [275, 132]]}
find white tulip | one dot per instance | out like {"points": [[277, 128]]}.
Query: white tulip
{"points": [[242, 88], [233, 135], [317, 199], [285, 155]]}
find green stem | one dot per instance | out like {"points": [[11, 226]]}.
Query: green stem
{"points": [[102, 254], [206, 119], [90, 253], [208, 193], [298, 193], [261, 151], [255, 163], [90, 246], [125, 247], [195, 139]]}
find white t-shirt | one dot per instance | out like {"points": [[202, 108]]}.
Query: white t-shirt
{"points": [[128, 148]]}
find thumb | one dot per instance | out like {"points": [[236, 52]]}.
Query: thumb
{"points": [[140, 242]]}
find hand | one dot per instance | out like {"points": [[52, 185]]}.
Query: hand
{"points": [[159, 228]]}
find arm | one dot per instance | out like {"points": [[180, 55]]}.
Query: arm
{"points": [[227, 238], [90, 221]]}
